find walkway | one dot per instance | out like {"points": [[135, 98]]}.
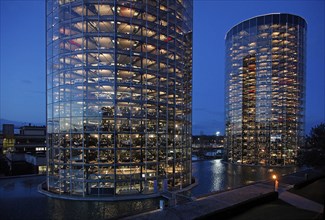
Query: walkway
{"points": [[209, 204], [300, 202], [226, 200], [287, 183]]}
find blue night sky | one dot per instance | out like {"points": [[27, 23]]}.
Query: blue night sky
{"points": [[22, 58]]}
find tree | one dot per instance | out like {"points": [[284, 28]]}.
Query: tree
{"points": [[314, 152]]}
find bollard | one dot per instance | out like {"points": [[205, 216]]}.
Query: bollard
{"points": [[162, 204], [276, 185]]}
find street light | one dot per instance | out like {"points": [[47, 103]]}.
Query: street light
{"points": [[274, 177], [276, 182], [217, 135]]}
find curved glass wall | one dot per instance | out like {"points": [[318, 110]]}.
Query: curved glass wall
{"points": [[265, 90], [119, 96]]}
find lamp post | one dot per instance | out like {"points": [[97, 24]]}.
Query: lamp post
{"points": [[276, 183], [217, 135]]}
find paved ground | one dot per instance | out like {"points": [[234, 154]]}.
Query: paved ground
{"points": [[314, 191], [276, 210], [289, 205], [292, 204], [301, 202]]}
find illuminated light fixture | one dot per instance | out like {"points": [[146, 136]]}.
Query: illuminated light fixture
{"points": [[274, 177]]}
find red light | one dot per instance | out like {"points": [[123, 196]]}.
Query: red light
{"points": [[74, 43], [168, 39]]}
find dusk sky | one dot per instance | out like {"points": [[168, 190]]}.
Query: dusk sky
{"points": [[22, 58]]}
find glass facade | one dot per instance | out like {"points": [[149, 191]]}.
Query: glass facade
{"points": [[265, 90], [119, 96]]}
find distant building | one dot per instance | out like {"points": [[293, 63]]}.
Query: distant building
{"points": [[119, 96], [7, 139], [265, 89], [207, 146], [208, 140], [23, 153]]}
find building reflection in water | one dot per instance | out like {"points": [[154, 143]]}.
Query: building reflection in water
{"points": [[213, 175]]}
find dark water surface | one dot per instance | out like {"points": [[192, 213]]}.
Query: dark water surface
{"points": [[213, 175], [19, 198]]}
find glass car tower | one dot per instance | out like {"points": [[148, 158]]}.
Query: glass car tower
{"points": [[265, 90], [119, 96]]}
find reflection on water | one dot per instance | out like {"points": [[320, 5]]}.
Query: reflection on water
{"points": [[65, 209], [213, 175], [22, 192]]}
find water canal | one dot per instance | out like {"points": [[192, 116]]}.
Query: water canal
{"points": [[213, 175], [19, 198]]}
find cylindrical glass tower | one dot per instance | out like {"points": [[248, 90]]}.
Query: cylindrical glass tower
{"points": [[119, 96], [265, 89]]}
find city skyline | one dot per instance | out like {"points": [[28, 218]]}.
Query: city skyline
{"points": [[24, 54]]}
